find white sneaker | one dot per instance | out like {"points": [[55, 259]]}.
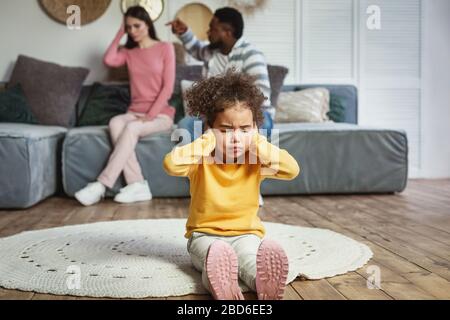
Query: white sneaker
{"points": [[135, 192], [91, 194], [261, 200]]}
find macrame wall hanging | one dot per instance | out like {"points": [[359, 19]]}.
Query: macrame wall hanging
{"points": [[248, 7]]}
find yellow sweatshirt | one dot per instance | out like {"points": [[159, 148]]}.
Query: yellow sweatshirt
{"points": [[225, 197]]}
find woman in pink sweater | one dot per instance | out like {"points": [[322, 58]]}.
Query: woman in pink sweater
{"points": [[151, 67]]}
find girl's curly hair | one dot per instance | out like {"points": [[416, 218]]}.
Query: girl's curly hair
{"points": [[210, 96]]}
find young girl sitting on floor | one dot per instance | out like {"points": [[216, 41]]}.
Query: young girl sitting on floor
{"points": [[226, 166]]}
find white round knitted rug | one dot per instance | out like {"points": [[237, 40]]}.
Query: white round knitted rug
{"points": [[148, 258]]}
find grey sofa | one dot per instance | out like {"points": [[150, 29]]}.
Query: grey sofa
{"points": [[335, 158]]}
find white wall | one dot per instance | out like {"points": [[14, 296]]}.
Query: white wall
{"points": [[389, 71], [26, 29], [436, 89]]}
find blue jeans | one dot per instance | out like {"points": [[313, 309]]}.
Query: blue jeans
{"points": [[189, 122]]}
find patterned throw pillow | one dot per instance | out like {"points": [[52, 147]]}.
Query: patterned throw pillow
{"points": [[14, 107], [309, 105], [104, 103]]}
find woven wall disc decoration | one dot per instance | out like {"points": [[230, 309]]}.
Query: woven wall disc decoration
{"points": [[90, 10], [197, 16]]}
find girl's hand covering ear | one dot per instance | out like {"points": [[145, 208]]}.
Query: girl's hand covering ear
{"points": [[208, 142]]}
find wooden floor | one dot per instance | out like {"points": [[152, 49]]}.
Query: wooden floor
{"points": [[409, 234]]}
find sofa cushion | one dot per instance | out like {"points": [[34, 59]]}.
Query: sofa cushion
{"points": [[342, 158], [31, 167], [86, 151], [14, 106], [52, 90], [27, 131], [334, 158]]}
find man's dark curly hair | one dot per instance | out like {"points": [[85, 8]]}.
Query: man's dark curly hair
{"points": [[210, 96], [233, 18]]}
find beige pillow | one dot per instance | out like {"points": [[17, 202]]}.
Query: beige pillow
{"points": [[309, 105]]}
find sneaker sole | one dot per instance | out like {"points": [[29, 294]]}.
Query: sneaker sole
{"points": [[222, 272], [136, 199], [87, 204], [272, 268]]}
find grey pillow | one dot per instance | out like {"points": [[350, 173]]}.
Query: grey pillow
{"points": [[186, 72], [277, 74], [51, 90]]}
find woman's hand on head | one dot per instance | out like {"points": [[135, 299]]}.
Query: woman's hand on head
{"points": [[122, 29]]}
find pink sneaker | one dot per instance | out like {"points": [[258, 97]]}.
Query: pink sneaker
{"points": [[222, 272], [272, 267]]}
